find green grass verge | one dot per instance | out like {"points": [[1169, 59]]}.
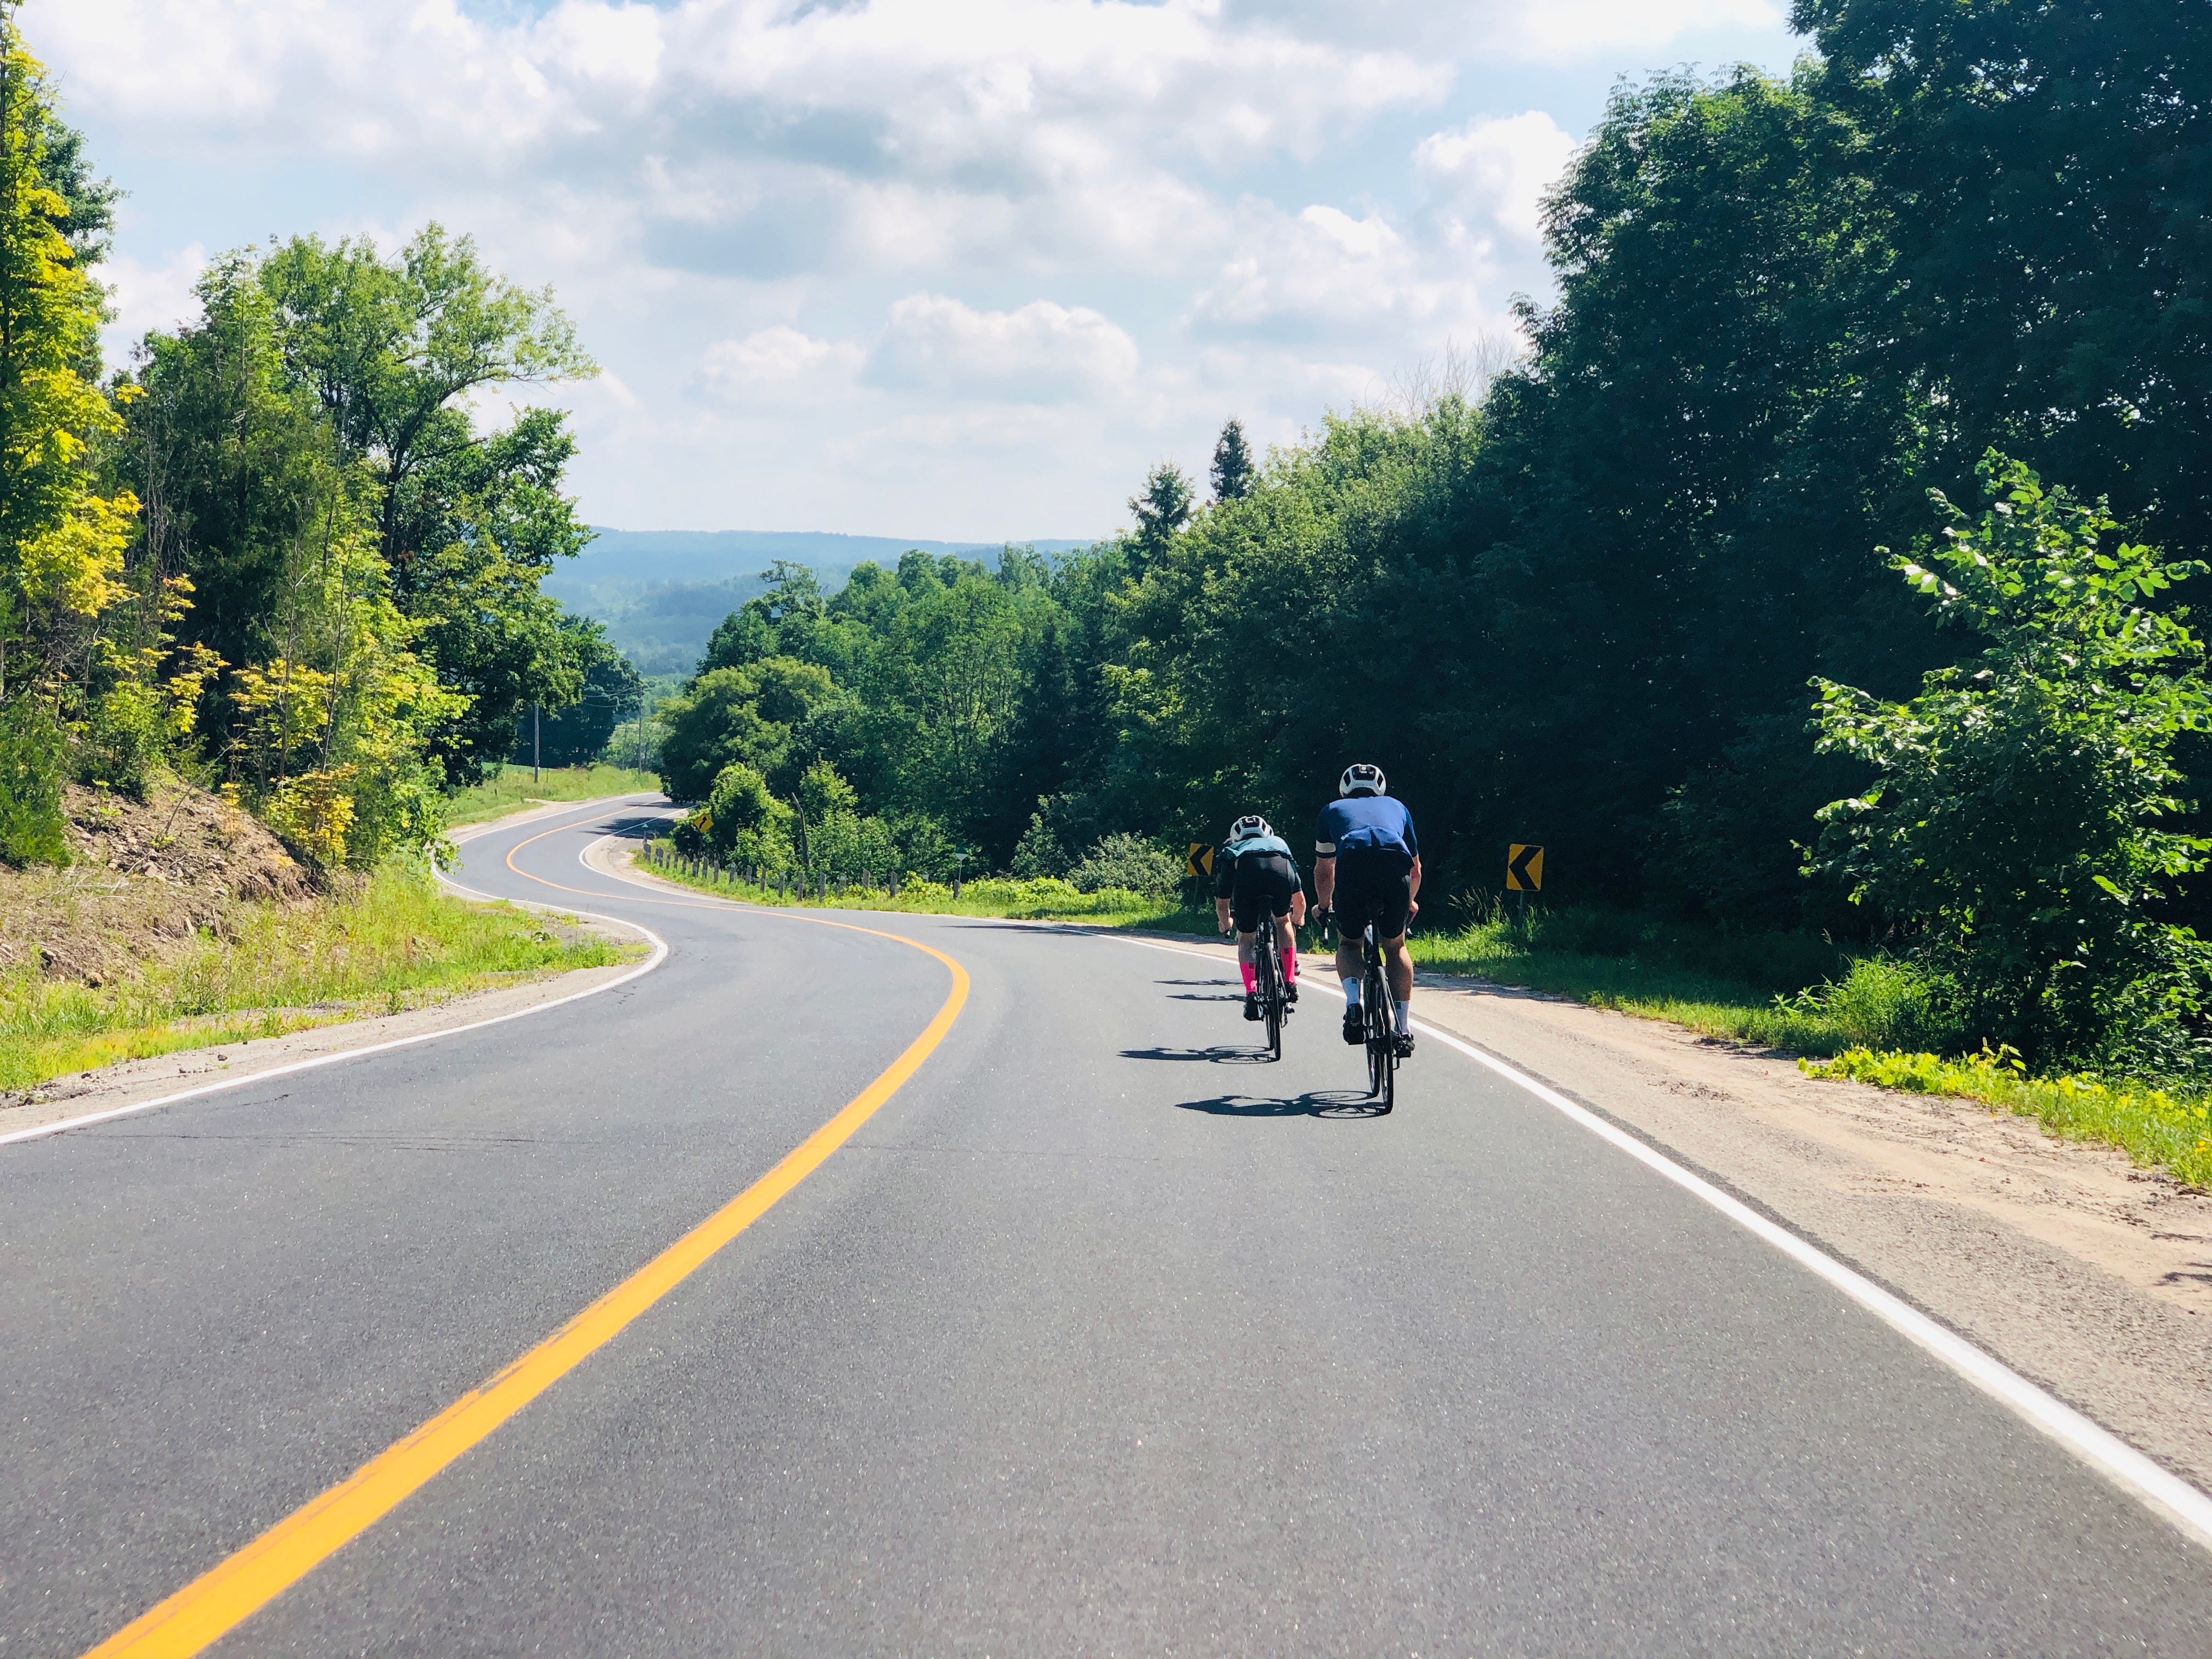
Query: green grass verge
{"points": [[513, 790], [2161, 1128], [393, 943]]}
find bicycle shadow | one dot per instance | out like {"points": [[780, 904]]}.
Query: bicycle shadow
{"points": [[1220, 1053], [1341, 1104]]}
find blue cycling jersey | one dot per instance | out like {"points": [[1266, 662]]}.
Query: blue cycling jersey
{"points": [[1356, 821]]}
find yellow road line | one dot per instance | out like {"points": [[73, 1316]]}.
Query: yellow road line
{"points": [[227, 1594]]}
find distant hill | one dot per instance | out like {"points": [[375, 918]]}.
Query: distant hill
{"points": [[661, 593]]}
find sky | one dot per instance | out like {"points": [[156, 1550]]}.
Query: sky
{"points": [[951, 269]]}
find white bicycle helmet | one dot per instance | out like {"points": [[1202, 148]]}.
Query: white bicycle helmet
{"points": [[1362, 780], [1250, 825]]}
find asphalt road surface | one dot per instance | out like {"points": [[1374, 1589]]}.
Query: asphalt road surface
{"points": [[1099, 1337]]}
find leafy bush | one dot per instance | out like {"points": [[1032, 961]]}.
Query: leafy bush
{"points": [[31, 754], [1884, 1002], [2013, 821], [742, 823], [124, 740], [1039, 852], [1127, 861]]}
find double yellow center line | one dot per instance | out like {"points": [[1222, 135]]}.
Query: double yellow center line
{"points": [[231, 1591]]}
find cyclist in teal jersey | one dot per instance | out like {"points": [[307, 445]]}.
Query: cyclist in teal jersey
{"points": [[1254, 875]]}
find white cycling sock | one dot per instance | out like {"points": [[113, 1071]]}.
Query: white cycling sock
{"points": [[1351, 994], [1405, 1017]]}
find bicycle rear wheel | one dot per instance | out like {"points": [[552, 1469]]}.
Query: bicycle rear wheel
{"points": [[1268, 977], [1381, 1046]]}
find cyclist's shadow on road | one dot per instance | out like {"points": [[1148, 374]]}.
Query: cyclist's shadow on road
{"points": [[1318, 1102], [1220, 1053]]}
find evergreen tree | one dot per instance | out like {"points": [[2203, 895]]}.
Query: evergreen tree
{"points": [[1232, 463], [1162, 510]]}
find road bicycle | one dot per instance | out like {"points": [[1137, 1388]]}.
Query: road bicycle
{"points": [[1375, 1006], [1268, 977], [1376, 1018]]}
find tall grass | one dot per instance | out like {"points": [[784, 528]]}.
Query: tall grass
{"points": [[391, 943], [514, 789]]}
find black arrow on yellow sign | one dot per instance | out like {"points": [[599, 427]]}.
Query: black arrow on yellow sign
{"points": [[1524, 868], [1199, 861]]}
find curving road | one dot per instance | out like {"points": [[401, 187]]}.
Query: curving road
{"points": [[1095, 1337]]}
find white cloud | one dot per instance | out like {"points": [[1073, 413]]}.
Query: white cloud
{"points": [[785, 227], [1325, 277], [779, 367], [1041, 354], [1493, 172]]}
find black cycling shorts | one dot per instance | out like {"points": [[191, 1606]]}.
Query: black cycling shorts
{"points": [[1264, 881], [1373, 884]]}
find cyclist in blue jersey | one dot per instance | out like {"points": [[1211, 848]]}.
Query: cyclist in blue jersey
{"points": [[1367, 868], [1254, 875]]}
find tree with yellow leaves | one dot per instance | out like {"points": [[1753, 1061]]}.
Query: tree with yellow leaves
{"points": [[62, 542]]}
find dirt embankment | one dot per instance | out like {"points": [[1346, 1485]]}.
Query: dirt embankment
{"points": [[143, 876]]}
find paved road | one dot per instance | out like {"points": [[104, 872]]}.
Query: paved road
{"points": [[1098, 1337]]}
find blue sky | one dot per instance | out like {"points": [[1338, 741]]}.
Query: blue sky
{"points": [[895, 267]]}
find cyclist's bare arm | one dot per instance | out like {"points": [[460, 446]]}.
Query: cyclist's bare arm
{"points": [[1324, 878]]}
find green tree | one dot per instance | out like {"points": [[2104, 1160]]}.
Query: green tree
{"points": [[837, 841], [1232, 463], [2016, 818], [391, 346], [772, 715], [314, 702], [236, 467], [66, 630], [2040, 170], [468, 522], [610, 691], [1161, 511]]}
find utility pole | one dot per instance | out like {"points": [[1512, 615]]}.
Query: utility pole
{"points": [[536, 751]]}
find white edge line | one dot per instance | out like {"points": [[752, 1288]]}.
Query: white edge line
{"points": [[2163, 1491], [659, 954]]}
